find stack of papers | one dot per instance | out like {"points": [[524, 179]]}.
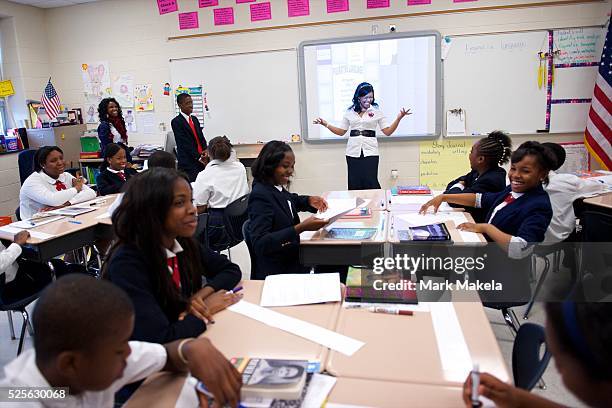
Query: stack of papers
{"points": [[9, 232], [414, 203], [337, 207], [34, 222], [300, 289]]}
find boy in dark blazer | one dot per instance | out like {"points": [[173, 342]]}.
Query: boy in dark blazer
{"points": [[190, 142]]}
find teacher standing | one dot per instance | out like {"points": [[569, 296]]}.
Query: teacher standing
{"points": [[362, 117]]}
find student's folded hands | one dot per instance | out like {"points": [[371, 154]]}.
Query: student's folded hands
{"points": [[205, 308]]}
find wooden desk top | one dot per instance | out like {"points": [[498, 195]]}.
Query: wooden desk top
{"points": [[377, 198], [404, 348], [378, 220], [160, 390], [387, 394], [603, 200], [239, 336]]}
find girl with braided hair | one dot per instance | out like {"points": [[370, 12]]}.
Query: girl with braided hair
{"points": [[486, 176]]}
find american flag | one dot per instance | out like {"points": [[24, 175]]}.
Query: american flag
{"points": [[51, 101], [598, 133]]}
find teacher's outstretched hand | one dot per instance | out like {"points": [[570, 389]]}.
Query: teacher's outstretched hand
{"points": [[335, 130], [403, 112]]}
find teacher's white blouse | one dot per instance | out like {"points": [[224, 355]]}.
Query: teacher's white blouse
{"points": [[370, 120]]}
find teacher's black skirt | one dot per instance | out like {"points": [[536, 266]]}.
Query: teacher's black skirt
{"points": [[362, 172]]}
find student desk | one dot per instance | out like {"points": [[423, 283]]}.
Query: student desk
{"points": [[160, 390], [239, 336], [318, 249], [67, 236], [387, 394], [404, 348], [378, 201], [603, 201]]}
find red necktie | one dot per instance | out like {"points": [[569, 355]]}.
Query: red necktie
{"points": [[176, 276], [121, 175], [509, 199], [192, 126], [59, 186]]}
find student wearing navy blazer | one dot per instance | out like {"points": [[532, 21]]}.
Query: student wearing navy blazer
{"points": [[518, 216], [113, 171], [191, 149], [486, 176], [274, 224]]}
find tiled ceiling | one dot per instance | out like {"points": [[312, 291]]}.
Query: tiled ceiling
{"points": [[52, 3]]}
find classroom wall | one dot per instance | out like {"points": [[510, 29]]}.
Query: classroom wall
{"points": [[134, 39]]}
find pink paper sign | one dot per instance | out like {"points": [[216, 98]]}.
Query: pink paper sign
{"points": [[244, 1], [208, 3], [377, 4], [188, 20], [418, 2], [334, 6], [224, 16], [167, 6], [296, 8], [462, 1], [261, 11]]}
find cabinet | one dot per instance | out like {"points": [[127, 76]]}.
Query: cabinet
{"points": [[67, 138]]}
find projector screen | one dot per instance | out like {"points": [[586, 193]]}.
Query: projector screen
{"points": [[404, 70]]}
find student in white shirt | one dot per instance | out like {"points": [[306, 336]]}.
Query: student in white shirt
{"points": [[83, 326], [363, 117], [49, 187], [222, 182], [563, 189]]}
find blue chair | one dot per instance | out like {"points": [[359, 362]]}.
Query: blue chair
{"points": [[527, 364], [247, 239], [25, 162]]}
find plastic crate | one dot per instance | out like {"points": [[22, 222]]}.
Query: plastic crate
{"points": [[90, 144]]}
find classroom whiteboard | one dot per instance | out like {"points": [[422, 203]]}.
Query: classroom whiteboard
{"points": [[493, 78], [251, 97]]}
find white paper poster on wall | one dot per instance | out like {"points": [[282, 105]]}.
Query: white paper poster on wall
{"points": [[91, 109], [130, 121], [96, 79], [143, 97], [146, 122], [123, 90]]}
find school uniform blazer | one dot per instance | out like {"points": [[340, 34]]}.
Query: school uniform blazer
{"points": [[271, 229], [128, 269], [108, 182], [186, 147], [527, 217], [491, 181]]}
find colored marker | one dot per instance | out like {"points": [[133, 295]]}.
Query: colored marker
{"points": [[387, 310], [74, 222], [235, 290], [475, 374]]}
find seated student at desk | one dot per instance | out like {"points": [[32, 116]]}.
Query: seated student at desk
{"points": [[222, 182], [113, 172], [486, 176], [82, 330], [274, 224], [563, 189], [49, 187], [578, 336], [519, 215], [160, 266]]}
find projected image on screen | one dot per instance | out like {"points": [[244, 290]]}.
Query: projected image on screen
{"points": [[402, 71]]}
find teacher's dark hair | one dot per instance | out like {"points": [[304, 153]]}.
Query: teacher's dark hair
{"points": [[103, 109], [362, 89], [150, 197], [268, 160], [40, 157]]}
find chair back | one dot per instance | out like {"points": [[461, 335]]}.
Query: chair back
{"points": [[25, 162], [170, 145], [247, 239], [234, 217], [527, 364], [200, 233]]}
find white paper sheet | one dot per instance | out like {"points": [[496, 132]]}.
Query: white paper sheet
{"points": [[419, 307], [103, 216], [455, 123], [34, 234], [318, 389], [300, 289], [454, 354], [31, 223], [337, 207], [335, 341], [188, 397], [414, 202]]}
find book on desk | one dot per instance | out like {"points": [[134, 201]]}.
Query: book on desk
{"points": [[366, 286], [271, 378], [432, 232]]}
